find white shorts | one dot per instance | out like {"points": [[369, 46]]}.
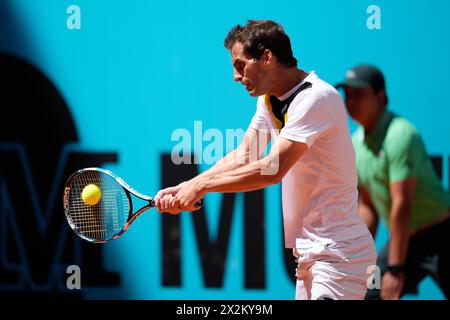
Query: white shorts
{"points": [[337, 271]]}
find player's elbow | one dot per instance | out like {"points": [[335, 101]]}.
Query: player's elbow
{"points": [[270, 171]]}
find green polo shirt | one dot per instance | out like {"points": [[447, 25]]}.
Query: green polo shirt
{"points": [[392, 152]]}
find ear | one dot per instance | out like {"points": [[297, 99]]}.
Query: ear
{"points": [[381, 96], [267, 57]]}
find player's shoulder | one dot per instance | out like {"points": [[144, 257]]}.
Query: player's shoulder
{"points": [[317, 90], [320, 86]]}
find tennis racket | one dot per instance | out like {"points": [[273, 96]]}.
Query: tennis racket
{"points": [[111, 215]]}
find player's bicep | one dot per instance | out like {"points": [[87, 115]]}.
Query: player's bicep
{"points": [[283, 155]]}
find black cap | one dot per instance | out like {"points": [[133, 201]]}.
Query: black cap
{"points": [[363, 76]]}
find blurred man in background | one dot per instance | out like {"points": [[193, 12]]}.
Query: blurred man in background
{"points": [[397, 182]]}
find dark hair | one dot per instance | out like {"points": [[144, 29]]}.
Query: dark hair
{"points": [[258, 35]]}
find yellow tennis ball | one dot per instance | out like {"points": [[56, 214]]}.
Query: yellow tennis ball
{"points": [[91, 194]]}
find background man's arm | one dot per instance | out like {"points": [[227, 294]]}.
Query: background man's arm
{"points": [[402, 194]]}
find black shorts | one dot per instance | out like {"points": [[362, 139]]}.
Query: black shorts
{"points": [[428, 254]]}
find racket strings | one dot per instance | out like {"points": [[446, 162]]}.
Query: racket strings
{"points": [[104, 219]]}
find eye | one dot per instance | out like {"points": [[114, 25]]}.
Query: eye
{"points": [[239, 66]]}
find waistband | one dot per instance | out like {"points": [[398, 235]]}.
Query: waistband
{"points": [[345, 234]]}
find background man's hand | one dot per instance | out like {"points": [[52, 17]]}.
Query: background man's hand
{"points": [[392, 286]]}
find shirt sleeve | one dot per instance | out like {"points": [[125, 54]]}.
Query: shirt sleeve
{"points": [[307, 119], [259, 120], [404, 155]]}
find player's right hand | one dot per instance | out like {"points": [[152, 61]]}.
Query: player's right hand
{"points": [[167, 204], [165, 200]]}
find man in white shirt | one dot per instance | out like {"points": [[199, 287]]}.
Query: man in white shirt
{"points": [[311, 153]]}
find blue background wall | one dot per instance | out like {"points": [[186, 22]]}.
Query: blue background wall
{"points": [[138, 70]]}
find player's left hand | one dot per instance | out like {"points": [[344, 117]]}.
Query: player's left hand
{"points": [[188, 195], [392, 286]]}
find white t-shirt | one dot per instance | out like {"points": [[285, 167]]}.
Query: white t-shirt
{"points": [[320, 197]]}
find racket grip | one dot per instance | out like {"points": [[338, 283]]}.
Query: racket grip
{"points": [[198, 204]]}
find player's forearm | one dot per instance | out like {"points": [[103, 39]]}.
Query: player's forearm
{"points": [[233, 160], [253, 176], [399, 233]]}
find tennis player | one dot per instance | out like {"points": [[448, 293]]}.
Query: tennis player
{"points": [[311, 153]]}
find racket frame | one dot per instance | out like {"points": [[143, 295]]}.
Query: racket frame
{"points": [[128, 191]]}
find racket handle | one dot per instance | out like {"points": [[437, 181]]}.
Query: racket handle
{"points": [[198, 204]]}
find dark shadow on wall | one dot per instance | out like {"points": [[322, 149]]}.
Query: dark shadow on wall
{"points": [[34, 115], [36, 125]]}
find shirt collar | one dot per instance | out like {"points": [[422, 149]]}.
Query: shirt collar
{"points": [[379, 128], [311, 75]]}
